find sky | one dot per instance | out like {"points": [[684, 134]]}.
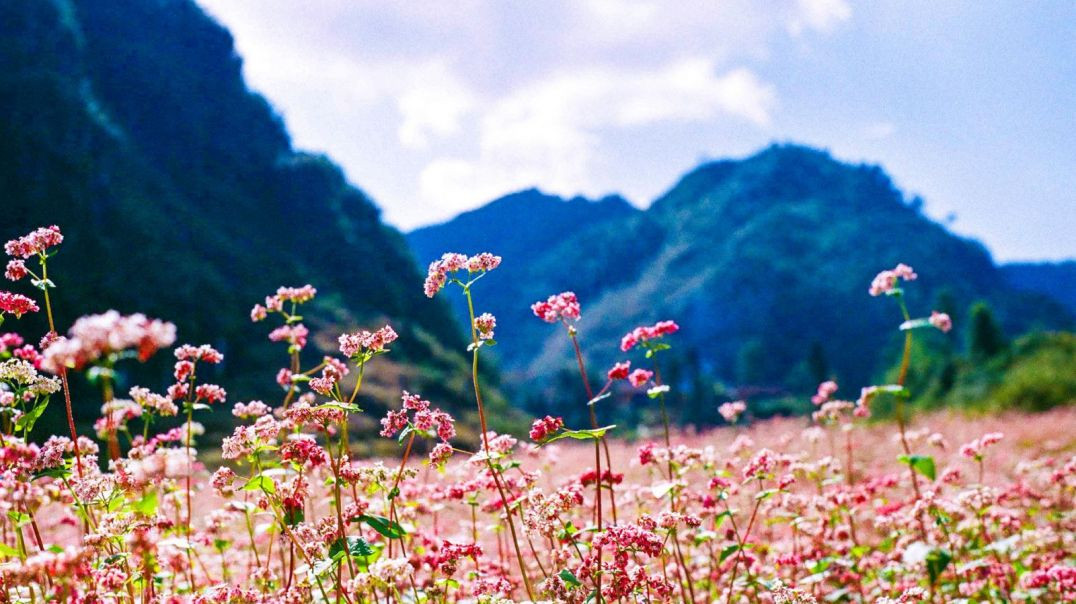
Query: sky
{"points": [[437, 107]]}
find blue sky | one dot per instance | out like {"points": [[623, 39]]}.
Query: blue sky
{"points": [[438, 107]]}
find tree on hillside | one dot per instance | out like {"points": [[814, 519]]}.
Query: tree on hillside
{"points": [[985, 338]]}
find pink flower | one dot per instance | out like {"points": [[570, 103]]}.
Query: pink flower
{"points": [[258, 313], [545, 427], [440, 454], [354, 344], [645, 334], [560, 307], [16, 269], [393, 422], [212, 393], [16, 304], [295, 335], [732, 411], [639, 377], [885, 281], [438, 271], [619, 371], [941, 321], [283, 377], [484, 324], [94, 336], [204, 353], [35, 242], [825, 390]]}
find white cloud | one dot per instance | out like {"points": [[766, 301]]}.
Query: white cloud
{"points": [[549, 133], [432, 101], [817, 15]]}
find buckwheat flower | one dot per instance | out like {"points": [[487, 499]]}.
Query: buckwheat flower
{"points": [[16, 269], [298, 295], [545, 427], [732, 411], [323, 385], [212, 393], [223, 481], [303, 450], [16, 304], [483, 262], [440, 454], [885, 281], [560, 307], [825, 390], [619, 371], [640, 377], [283, 378], [941, 321], [162, 405], [258, 313], [204, 353], [295, 335], [94, 336], [647, 333], [393, 422], [354, 344], [251, 410], [23, 374], [484, 324], [761, 464], [36, 242]]}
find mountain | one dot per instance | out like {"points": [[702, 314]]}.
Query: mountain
{"points": [[765, 264], [128, 124], [519, 227], [1054, 279]]}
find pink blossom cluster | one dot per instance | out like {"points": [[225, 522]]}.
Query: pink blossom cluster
{"points": [[619, 371], [94, 336], [439, 270], [645, 334], [418, 413], [354, 344], [545, 427], [732, 411], [484, 325], [559, 307], [885, 281], [639, 377], [283, 295], [976, 448], [16, 304], [825, 391], [36, 242], [941, 321]]}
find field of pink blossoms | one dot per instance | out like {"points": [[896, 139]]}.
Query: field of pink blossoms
{"points": [[831, 508]]}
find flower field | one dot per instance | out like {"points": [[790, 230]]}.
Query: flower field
{"points": [[835, 507]]}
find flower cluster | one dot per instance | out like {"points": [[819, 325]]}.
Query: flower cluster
{"points": [[439, 270], [96, 336], [284, 295], [484, 325], [353, 345], [16, 304], [36, 242], [560, 307], [732, 411], [545, 427], [645, 334], [886, 281]]}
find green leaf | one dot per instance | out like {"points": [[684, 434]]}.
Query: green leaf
{"points": [[27, 421], [915, 324], [592, 434], [600, 397], [937, 560], [728, 551], [147, 505], [764, 495], [262, 483], [8, 551], [18, 518], [569, 578], [349, 407], [57, 472], [924, 464], [387, 528]]}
